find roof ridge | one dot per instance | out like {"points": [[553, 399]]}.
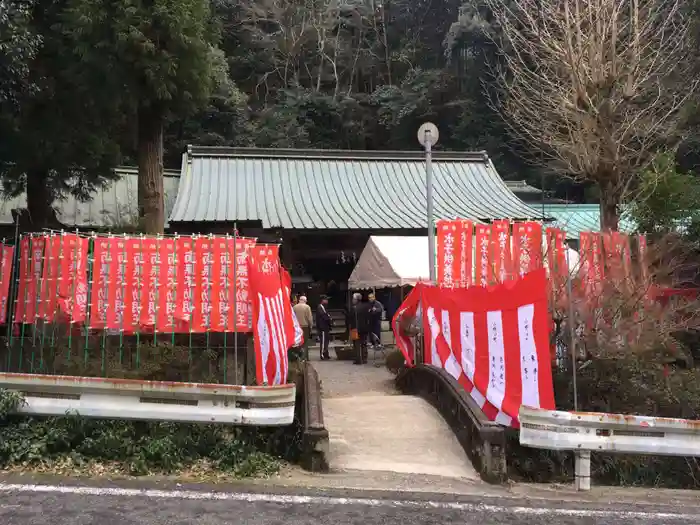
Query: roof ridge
{"points": [[379, 155]]}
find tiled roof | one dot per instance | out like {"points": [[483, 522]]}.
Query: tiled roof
{"points": [[338, 190], [114, 205], [577, 218]]}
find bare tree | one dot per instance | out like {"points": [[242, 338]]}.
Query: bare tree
{"points": [[595, 85]]}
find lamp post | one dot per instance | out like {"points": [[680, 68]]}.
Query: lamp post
{"points": [[428, 136]]}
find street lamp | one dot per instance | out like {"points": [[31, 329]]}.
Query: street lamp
{"points": [[428, 136]]}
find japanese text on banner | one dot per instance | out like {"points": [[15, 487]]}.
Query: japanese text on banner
{"points": [[72, 282], [102, 307], [167, 287], [500, 250], [48, 303], [527, 247], [447, 271], [483, 267], [201, 318], [465, 231], [244, 314], [31, 255]]}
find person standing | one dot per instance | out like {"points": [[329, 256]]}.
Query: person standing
{"points": [[375, 310], [324, 323], [306, 320], [358, 327]]}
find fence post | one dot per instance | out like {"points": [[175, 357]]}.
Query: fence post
{"points": [[582, 469]]}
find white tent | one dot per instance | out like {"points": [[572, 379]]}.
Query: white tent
{"points": [[397, 261], [391, 261]]}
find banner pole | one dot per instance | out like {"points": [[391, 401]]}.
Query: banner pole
{"points": [[572, 326], [235, 303]]}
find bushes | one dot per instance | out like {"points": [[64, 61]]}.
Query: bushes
{"points": [[628, 386], [395, 361], [138, 448]]}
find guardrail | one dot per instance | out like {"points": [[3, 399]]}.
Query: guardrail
{"points": [[94, 397], [584, 432], [483, 441]]}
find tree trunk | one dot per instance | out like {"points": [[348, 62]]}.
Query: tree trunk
{"points": [[609, 209], [40, 201], [151, 196]]}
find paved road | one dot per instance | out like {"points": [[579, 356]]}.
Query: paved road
{"points": [[81, 505]]}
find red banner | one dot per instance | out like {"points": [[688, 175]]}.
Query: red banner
{"points": [[501, 250], [612, 256], [244, 314], [30, 277], [184, 309], [201, 318], [73, 286], [102, 308], [494, 342], [483, 270], [150, 302], [447, 253], [596, 271], [8, 253], [48, 292], [272, 316], [558, 264], [231, 284], [24, 272], [466, 253], [138, 283], [591, 267], [621, 248], [167, 286], [643, 260], [527, 247], [454, 253]]}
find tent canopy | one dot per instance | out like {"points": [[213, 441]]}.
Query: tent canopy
{"points": [[398, 261], [391, 261]]}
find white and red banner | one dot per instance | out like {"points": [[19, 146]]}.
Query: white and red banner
{"points": [[273, 319], [493, 340]]}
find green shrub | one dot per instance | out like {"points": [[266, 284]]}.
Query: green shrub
{"points": [[395, 361], [139, 448]]}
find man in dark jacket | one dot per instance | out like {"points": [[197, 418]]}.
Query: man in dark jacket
{"points": [[375, 310], [358, 326], [324, 322]]}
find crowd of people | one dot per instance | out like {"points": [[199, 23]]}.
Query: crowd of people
{"points": [[363, 321]]}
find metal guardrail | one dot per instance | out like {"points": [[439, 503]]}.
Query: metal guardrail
{"points": [[106, 398], [584, 432]]}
